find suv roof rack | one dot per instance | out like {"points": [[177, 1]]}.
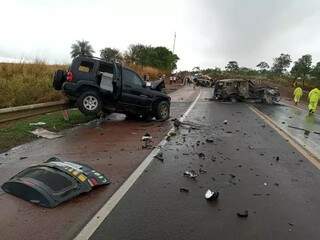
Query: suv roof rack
{"points": [[101, 59]]}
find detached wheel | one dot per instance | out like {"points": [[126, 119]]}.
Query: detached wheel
{"points": [[90, 103], [58, 79], [162, 112]]}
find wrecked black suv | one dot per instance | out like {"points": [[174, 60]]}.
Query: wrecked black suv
{"points": [[96, 86]]}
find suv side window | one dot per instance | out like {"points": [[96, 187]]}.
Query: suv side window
{"points": [[86, 66], [104, 67], [131, 79]]}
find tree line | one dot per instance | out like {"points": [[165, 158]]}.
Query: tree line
{"points": [[302, 69], [139, 54]]}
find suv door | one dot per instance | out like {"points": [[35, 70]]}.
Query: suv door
{"points": [[117, 85], [133, 91]]}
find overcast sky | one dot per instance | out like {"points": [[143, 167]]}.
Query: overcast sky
{"points": [[209, 32]]}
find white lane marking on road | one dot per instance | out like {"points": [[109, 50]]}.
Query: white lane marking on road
{"points": [[106, 209], [305, 152]]}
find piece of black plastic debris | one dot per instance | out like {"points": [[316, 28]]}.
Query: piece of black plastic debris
{"points": [[201, 155], [190, 174], [283, 122], [211, 195], [159, 156], [232, 176], [208, 140], [202, 171], [53, 182], [184, 190], [225, 121], [239, 166], [277, 158], [261, 154], [290, 224], [21, 158], [257, 194], [243, 214], [213, 178], [276, 184]]}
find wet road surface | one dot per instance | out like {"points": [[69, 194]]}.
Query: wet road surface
{"points": [[247, 161], [113, 147], [304, 128]]}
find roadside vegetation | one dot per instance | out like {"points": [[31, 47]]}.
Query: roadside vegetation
{"points": [[18, 132], [28, 83], [303, 72]]}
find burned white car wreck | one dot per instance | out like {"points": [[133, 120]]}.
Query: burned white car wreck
{"points": [[242, 89]]}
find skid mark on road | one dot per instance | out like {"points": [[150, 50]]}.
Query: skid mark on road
{"points": [[106, 209]]}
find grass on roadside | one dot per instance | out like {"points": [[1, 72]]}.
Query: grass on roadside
{"points": [[19, 132]]}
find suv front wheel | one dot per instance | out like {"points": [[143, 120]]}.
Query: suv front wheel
{"points": [[89, 103], [162, 111]]}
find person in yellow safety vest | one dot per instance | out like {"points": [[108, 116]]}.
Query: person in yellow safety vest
{"points": [[313, 96], [297, 95]]}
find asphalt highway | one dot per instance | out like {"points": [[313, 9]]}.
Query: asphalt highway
{"points": [[235, 152]]}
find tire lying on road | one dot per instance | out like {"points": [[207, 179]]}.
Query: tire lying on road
{"points": [[90, 103], [162, 111], [58, 79]]}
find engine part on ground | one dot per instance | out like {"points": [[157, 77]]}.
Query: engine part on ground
{"points": [[53, 182]]}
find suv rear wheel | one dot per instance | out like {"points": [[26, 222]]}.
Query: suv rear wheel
{"points": [[89, 103], [162, 111]]}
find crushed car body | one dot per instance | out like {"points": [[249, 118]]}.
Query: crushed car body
{"points": [[53, 182], [242, 89]]}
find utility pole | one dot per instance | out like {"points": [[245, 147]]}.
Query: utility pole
{"points": [[174, 42]]}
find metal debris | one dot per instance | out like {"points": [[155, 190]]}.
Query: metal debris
{"points": [[41, 132], [208, 140], [225, 121], [211, 195], [190, 174], [201, 155]]}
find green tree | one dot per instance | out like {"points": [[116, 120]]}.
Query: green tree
{"points": [[281, 63], [232, 66], [316, 71], [81, 48], [110, 54], [263, 66], [302, 66], [159, 57]]}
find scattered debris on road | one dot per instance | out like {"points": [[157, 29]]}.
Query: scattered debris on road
{"points": [[159, 156], [184, 190], [225, 121], [146, 141], [243, 214], [202, 171], [190, 174], [41, 132], [211, 195]]}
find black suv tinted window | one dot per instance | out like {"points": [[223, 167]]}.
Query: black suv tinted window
{"points": [[104, 67], [86, 66], [131, 79]]}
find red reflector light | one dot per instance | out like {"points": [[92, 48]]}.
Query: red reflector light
{"points": [[69, 76]]}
